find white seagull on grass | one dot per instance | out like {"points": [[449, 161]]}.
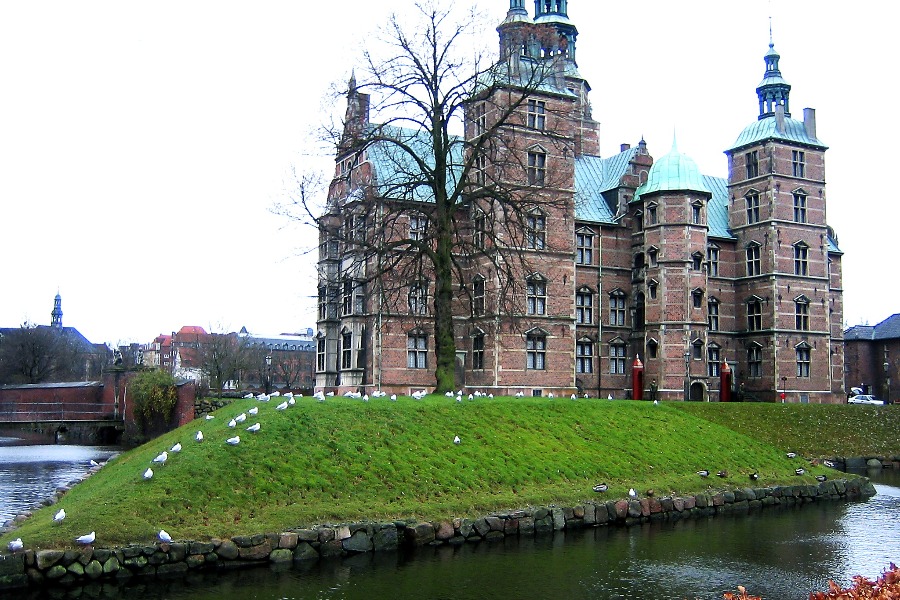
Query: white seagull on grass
{"points": [[59, 516], [86, 539], [199, 436], [456, 440], [161, 458], [148, 474], [253, 410], [209, 417], [240, 418], [232, 423], [176, 448], [253, 428], [15, 545], [233, 441], [282, 406], [164, 536]]}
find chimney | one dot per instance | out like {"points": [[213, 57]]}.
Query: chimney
{"points": [[809, 122], [779, 118], [624, 147]]}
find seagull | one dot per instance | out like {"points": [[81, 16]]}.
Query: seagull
{"points": [[574, 397], [289, 395], [282, 406], [253, 428], [828, 464], [275, 393], [754, 476], [209, 417], [520, 394], [609, 397], [632, 493], [456, 440], [471, 397], [199, 436], [59, 516], [393, 397], [330, 394], [656, 403], [292, 402], [176, 448], [248, 396], [791, 455], [703, 472], [164, 536], [15, 545], [491, 396], [550, 395], [94, 463], [86, 539], [161, 458], [365, 398], [448, 394], [232, 423], [233, 441], [253, 410], [148, 474], [800, 471], [600, 487], [821, 478], [263, 397], [240, 418]]}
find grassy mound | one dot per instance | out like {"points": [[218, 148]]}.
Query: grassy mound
{"points": [[345, 460]]}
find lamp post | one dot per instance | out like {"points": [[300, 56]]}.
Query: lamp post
{"points": [[887, 382], [783, 388], [687, 375], [268, 369]]}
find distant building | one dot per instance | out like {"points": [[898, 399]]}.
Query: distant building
{"points": [[872, 358]]}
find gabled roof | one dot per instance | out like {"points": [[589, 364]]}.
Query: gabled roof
{"points": [[593, 177], [889, 329]]}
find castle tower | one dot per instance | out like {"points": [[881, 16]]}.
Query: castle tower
{"points": [[56, 315], [787, 290], [670, 283]]}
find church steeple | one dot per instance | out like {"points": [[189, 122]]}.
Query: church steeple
{"points": [[773, 90], [56, 315]]}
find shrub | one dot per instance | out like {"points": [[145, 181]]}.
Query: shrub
{"points": [[154, 396]]}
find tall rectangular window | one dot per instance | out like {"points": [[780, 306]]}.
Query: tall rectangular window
{"points": [[347, 351], [801, 312], [697, 213], [799, 207], [536, 296], [754, 315], [712, 361], [752, 208], [478, 352], [754, 361], [537, 118], [803, 360], [535, 231], [418, 225], [537, 168], [480, 118], [584, 307], [798, 163], [536, 352], [480, 167], [418, 299], [801, 259], [359, 298], [584, 357], [712, 308], [754, 264], [617, 309], [320, 355], [712, 259], [479, 230], [322, 302], [478, 297], [347, 298], [752, 161], [617, 359], [584, 248], [416, 350]]}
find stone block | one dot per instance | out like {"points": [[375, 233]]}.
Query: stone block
{"points": [[385, 538], [93, 569], [47, 558], [558, 516], [360, 542], [331, 548], [110, 565], [257, 552], [281, 555], [304, 551], [421, 534], [287, 541], [227, 550], [444, 531]]}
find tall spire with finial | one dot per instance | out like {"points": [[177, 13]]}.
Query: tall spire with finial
{"points": [[56, 315], [773, 91]]}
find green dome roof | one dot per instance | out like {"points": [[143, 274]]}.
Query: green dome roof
{"points": [[674, 171]]}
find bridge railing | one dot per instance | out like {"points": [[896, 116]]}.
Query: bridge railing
{"points": [[58, 411]]}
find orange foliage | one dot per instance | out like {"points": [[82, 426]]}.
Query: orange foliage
{"points": [[886, 587]]}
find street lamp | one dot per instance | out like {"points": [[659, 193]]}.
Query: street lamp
{"points": [[687, 375], [783, 388], [268, 369], [887, 382]]}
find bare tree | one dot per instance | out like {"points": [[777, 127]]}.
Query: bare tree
{"points": [[451, 173], [223, 356], [37, 354]]}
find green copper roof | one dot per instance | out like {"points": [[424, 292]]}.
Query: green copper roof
{"points": [[674, 171], [767, 129]]}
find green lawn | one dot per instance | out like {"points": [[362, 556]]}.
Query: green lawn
{"points": [[346, 460]]}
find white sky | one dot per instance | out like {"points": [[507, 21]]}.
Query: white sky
{"points": [[143, 144]]}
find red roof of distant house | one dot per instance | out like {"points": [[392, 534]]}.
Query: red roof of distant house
{"points": [[192, 330]]}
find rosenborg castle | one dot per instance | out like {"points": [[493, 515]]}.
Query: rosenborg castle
{"points": [[710, 288]]}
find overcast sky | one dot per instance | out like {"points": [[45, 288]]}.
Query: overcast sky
{"points": [[142, 145]]}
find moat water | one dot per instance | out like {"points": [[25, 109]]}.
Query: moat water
{"points": [[777, 553]]}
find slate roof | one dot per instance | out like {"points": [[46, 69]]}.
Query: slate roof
{"points": [[593, 176], [889, 329], [766, 129]]}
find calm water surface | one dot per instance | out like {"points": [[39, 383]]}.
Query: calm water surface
{"points": [[777, 553]]}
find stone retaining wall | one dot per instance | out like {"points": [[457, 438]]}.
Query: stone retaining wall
{"points": [[62, 567]]}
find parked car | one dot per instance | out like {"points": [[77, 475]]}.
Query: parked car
{"points": [[864, 399]]}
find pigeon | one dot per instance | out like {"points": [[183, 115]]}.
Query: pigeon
{"points": [[800, 471], [86, 539], [209, 417], [632, 493], [253, 410], [282, 406], [791, 455], [600, 488], [253, 428], [233, 441], [161, 458], [164, 536], [59, 516], [232, 423], [148, 474], [176, 448], [456, 440], [15, 545], [199, 436], [240, 418], [703, 472]]}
